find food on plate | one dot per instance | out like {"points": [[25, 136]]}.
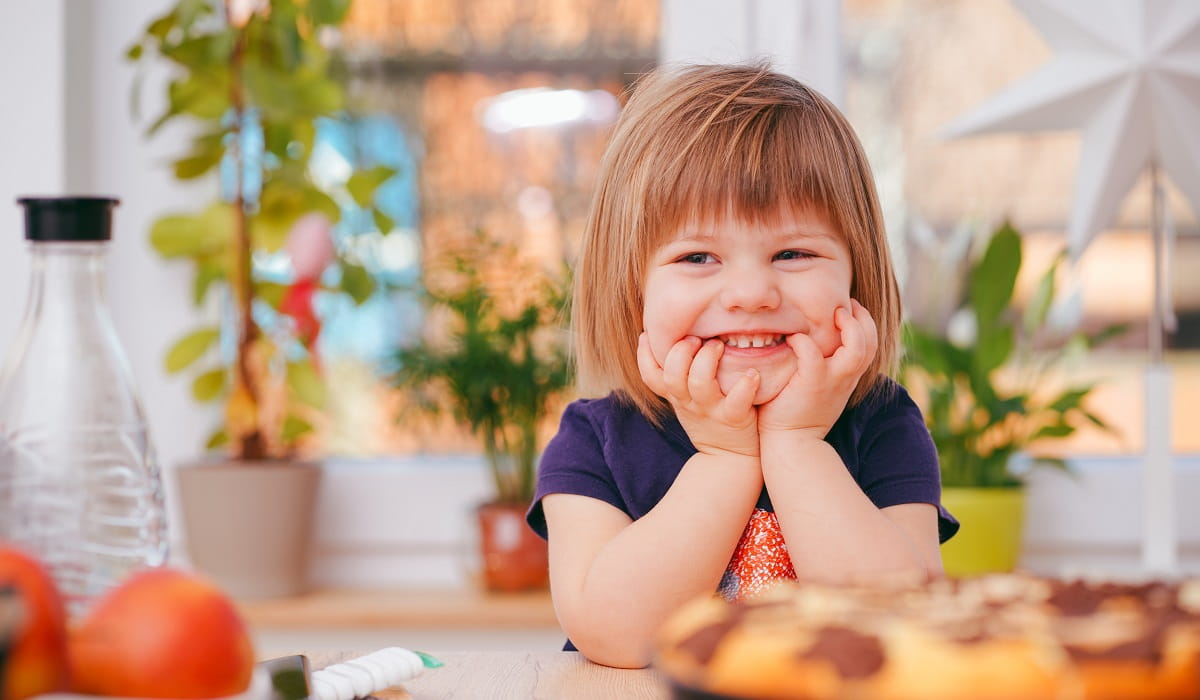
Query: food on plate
{"points": [[995, 636], [162, 633]]}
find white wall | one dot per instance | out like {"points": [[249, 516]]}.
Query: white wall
{"points": [[32, 78], [800, 37]]}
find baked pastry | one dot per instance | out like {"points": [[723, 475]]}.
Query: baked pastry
{"points": [[997, 637]]}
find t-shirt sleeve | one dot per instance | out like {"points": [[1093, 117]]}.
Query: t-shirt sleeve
{"points": [[574, 463], [898, 461]]}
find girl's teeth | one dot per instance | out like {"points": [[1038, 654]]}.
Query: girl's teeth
{"points": [[751, 341]]}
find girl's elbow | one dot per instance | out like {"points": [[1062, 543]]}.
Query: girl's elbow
{"points": [[603, 644], [934, 569], [615, 655]]}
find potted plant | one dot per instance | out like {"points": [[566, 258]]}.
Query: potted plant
{"points": [[499, 365], [984, 381], [254, 79]]}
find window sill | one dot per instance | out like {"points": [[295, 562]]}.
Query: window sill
{"points": [[459, 608]]}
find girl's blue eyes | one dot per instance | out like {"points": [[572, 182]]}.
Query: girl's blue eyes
{"points": [[794, 255], [704, 258]]}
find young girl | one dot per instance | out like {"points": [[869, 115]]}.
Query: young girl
{"points": [[735, 299]]}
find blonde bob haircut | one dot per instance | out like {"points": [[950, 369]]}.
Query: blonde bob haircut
{"points": [[696, 145]]}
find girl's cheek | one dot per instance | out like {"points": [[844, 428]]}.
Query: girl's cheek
{"points": [[828, 337], [658, 346], [843, 298]]}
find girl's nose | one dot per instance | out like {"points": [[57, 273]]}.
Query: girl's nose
{"points": [[750, 290]]}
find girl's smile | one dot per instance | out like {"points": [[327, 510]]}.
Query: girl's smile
{"points": [[749, 286], [750, 341]]}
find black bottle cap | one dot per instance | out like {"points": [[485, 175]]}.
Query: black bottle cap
{"points": [[68, 218]]}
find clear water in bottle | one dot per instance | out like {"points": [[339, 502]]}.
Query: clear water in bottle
{"points": [[79, 481]]}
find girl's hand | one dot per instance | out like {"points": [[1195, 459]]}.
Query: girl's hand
{"points": [[816, 394], [716, 423]]}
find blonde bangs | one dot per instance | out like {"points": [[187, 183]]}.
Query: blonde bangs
{"points": [[701, 145], [747, 167]]}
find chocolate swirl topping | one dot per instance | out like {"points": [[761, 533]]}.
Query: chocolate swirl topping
{"points": [[1146, 648], [702, 644], [1081, 598], [853, 654], [1077, 598]]}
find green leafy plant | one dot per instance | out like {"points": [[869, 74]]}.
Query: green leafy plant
{"points": [[985, 396], [254, 81], [501, 363]]}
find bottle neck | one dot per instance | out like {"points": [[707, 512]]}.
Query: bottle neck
{"points": [[67, 276], [66, 315]]}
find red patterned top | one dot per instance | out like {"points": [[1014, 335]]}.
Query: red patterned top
{"points": [[760, 559]]}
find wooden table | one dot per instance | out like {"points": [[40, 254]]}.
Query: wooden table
{"points": [[553, 675]]}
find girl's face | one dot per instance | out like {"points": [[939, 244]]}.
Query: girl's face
{"points": [[749, 286]]}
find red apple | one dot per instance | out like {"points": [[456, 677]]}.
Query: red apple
{"points": [[37, 660], [163, 633]]}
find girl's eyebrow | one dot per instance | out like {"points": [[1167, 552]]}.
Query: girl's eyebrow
{"points": [[818, 233], [693, 235]]}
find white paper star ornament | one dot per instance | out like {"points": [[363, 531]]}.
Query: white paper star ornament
{"points": [[1128, 73]]}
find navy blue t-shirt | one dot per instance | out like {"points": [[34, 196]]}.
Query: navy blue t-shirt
{"points": [[606, 449]]}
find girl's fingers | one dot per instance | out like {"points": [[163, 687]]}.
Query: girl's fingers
{"points": [[740, 399], [677, 366], [859, 341], [702, 378], [807, 352], [652, 374], [849, 356], [869, 329]]}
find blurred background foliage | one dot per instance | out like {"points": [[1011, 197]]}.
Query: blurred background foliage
{"points": [[255, 83], [985, 374]]}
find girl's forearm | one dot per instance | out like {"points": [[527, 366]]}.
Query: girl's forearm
{"points": [[676, 552], [833, 531]]}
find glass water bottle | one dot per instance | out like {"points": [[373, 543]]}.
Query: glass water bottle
{"points": [[79, 481]]}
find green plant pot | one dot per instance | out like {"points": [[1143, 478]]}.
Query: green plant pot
{"points": [[990, 538]]}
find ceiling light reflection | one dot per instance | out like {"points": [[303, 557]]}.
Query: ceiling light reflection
{"points": [[547, 108]]}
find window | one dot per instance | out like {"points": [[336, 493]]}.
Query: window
{"points": [[497, 112]]}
